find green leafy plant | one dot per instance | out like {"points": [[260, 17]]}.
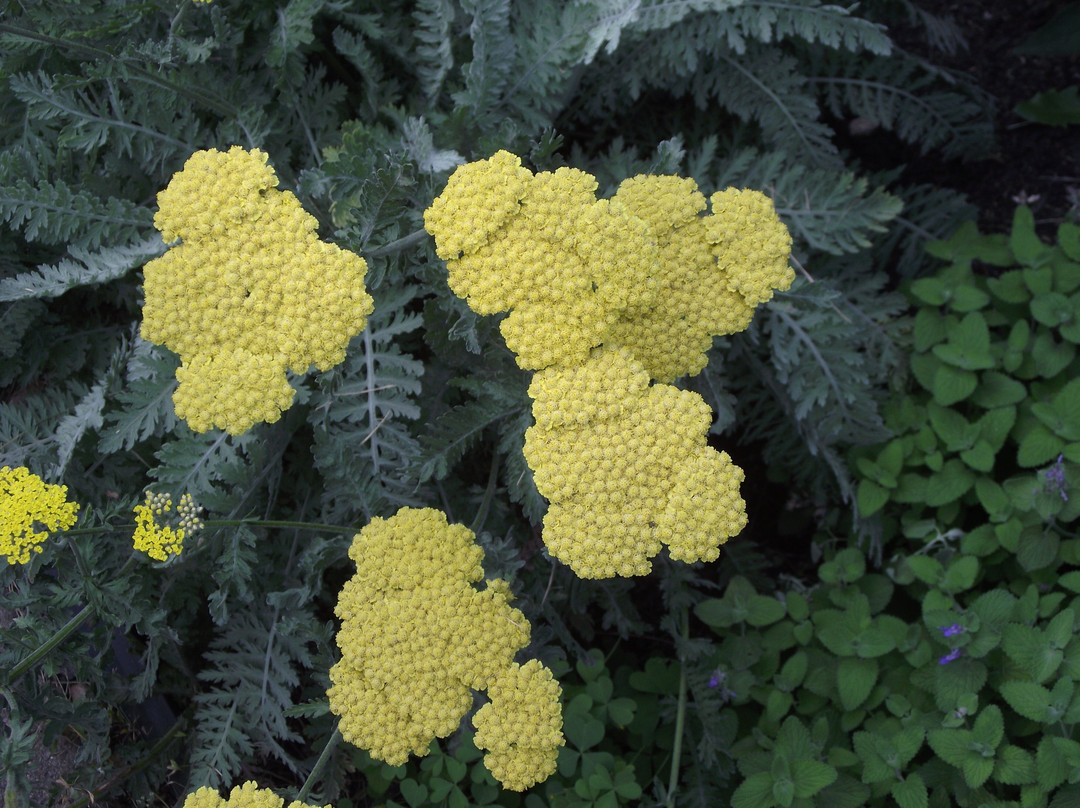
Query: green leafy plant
{"points": [[158, 679], [989, 440]]}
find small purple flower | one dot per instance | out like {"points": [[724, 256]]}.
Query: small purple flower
{"points": [[953, 630], [952, 656], [714, 681], [1054, 478]]}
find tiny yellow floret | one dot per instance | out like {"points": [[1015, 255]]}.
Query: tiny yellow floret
{"points": [[248, 795], [249, 293], [27, 501]]}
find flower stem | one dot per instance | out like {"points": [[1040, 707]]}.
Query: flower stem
{"points": [[680, 720], [398, 245], [320, 764], [139, 765], [61, 634]]}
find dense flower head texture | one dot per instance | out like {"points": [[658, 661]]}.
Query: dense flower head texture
{"points": [[248, 795], [158, 539], [543, 247], [626, 469], [249, 293], [521, 726], [750, 243], [26, 502], [417, 636], [712, 270]]}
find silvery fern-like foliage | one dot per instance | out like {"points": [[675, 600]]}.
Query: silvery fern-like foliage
{"points": [[364, 109]]}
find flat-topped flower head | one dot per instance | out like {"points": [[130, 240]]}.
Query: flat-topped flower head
{"points": [[27, 504], [417, 636], [248, 795], [626, 469], [249, 293], [521, 725], [564, 264], [713, 270], [153, 533]]}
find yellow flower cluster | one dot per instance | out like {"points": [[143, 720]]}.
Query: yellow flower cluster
{"points": [[603, 296], [643, 270], [249, 293], [712, 270], [417, 637], [521, 725], [26, 501], [564, 264], [626, 469], [156, 539], [249, 795]]}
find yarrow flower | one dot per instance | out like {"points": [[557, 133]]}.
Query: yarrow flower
{"points": [[626, 469], [563, 263], [521, 726], [603, 296], [248, 795], [249, 293], [417, 636], [157, 539], [26, 501], [712, 270]]}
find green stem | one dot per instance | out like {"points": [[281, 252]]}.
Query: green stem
{"points": [[489, 495], [680, 720], [62, 633], [320, 764], [141, 764], [403, 243], [277, 523]]}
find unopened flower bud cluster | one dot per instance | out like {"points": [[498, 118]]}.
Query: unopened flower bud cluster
{"points": [[603, 296], [417, 637], [248, 795], [153, 535], [28, 503], [249, 292]]}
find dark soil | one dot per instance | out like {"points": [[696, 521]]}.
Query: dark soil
{"points": [[1032, 163]]}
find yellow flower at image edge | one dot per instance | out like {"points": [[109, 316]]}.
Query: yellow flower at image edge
{"points": [[158, 540], [249, 293], [249, 795], [25, 501]]}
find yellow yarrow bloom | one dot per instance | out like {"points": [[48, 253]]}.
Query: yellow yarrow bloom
{"points": [[713, 270], [249, 293], [156, 539], [26, 501], [521, 726], [626, 469], [416, 635], [563, 263], [248, 795], [750, 243]]}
